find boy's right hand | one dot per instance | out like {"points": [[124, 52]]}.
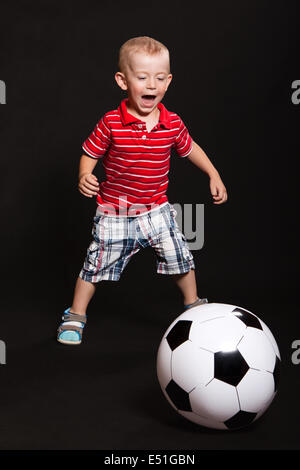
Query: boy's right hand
{"points": [[88, 185]]}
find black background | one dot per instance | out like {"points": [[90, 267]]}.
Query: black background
{"points": [[233, 64]]}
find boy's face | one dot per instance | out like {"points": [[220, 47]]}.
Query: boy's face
{"points": [[146, 76]]}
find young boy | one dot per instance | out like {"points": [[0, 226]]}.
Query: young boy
{"points": [[134, 142]]}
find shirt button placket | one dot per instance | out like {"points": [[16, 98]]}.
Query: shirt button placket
{"points": [[138, 127], [144, 137]]}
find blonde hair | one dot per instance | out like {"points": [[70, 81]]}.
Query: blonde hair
{"points": [[139, 44]]}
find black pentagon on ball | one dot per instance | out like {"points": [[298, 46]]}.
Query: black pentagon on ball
{"points": [[276, 372], [179, 333], [230, 367], [248, 318], [178, 396], [239, 420]]}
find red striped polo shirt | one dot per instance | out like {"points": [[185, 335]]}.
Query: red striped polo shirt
{"points": [[136, 162]]}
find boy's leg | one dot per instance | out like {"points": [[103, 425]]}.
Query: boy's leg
{"points": [[186, 282], [83, 293], [74, 318]]}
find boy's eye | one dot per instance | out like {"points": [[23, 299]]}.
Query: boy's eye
{"points": [[143, 78]]}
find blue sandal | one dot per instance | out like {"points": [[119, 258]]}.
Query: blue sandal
{"points": [[67, 332], [194, 304]]}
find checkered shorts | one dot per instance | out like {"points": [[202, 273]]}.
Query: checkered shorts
{"points": [[117, 239]]}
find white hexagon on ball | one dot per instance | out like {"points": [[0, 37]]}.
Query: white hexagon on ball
{"points": [[257, 350], [255, 380], [205, 400], [188, 358], [219, 334]]}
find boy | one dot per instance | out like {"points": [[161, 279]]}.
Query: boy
{"points": [[133, 211]]}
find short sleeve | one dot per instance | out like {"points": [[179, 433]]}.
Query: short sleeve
{"points": [[98, 143], [183, 143]]}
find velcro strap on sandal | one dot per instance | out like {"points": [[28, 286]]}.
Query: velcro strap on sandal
{"points": [[74, 317], [69, 327]]}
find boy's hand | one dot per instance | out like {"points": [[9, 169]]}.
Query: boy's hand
{"points": [[218, 190], [88, 185]]}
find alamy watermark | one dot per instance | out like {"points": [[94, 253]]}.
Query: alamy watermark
{"points": [[296, 354], [2, 352], [188, 218], [2, 92], [296, 94], [190, 221]]}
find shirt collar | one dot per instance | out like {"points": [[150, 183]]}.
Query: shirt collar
{"points": [[127, 118]]}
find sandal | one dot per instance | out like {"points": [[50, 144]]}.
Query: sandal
{"points": [[197, 302], [68, 332]]}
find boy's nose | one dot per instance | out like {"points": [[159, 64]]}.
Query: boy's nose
{"points": [[151, 84]]}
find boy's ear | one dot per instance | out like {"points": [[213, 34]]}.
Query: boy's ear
{"points": [[121, 80], [169, 79]]}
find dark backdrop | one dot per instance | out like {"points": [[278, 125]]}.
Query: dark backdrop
{"points": [[233, 65]]}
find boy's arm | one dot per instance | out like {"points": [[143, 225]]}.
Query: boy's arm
{"points": [[88, 184], [201, 160], [86, 165]]}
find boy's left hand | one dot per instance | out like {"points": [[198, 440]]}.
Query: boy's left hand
{"points": [[218, 190]]}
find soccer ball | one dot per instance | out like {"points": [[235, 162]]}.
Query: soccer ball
{"points": [[218, 366]]}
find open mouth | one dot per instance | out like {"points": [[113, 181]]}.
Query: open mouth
{"points": [[149, 98]]}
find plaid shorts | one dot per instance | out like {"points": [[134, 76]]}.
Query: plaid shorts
{"points": [[117, 239]]}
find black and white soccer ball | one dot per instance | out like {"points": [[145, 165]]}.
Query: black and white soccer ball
{"points": [[218, 366]]}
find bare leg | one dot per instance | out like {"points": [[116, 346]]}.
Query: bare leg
{"points": [[187, 285], [83, 293]]}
